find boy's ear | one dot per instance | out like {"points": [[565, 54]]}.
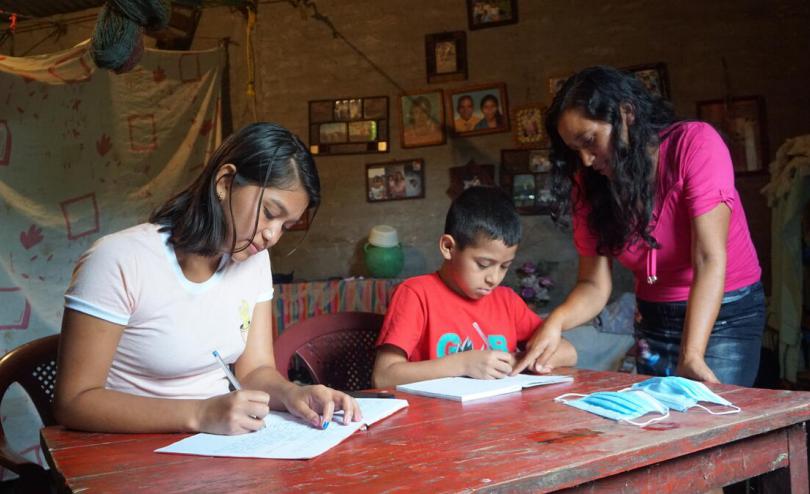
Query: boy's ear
{"points": [[447, 244]]}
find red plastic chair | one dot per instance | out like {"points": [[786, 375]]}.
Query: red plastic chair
{"points": [[32, 366], [337, 349]]}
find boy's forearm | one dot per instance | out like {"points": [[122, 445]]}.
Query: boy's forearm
{"points": [[408, 372]]}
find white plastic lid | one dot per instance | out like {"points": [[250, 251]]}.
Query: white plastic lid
{"points": [[383, 236]]}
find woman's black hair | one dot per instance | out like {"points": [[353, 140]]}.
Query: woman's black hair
{"points": [[498, 115], [264, 154], [621, 207]]}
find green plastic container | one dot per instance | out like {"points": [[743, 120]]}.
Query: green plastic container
{"points": [[384, 262]]}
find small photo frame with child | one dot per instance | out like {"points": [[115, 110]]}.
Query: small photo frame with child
{"points": [[446, 57], [395, 180]]}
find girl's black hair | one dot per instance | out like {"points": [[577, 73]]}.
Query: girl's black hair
{"points": [[264, 154], [621, 207]]}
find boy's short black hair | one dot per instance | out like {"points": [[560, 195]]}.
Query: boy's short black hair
{"points": [[486, 211]]}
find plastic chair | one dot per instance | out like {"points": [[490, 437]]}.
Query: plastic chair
{"points": [[337, 349], [32, 366]]}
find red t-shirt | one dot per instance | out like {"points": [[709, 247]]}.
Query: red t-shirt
{"points": [[428, 320]]}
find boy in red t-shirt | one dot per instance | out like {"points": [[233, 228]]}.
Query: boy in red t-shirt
{"points": [[458, 321]]}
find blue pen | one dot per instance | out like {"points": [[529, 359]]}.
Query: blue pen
{"points": [[228, 372], [231, 378]]}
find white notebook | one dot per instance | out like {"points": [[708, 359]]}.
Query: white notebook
{"points": [[467, 389], [285, 436]]}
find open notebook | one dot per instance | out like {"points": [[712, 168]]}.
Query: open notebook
{"points": [[467, 389], [285, 436]]}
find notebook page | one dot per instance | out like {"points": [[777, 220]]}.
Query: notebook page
{"points": [[284, 436]]}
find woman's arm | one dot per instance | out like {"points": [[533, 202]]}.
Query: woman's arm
{"points": [[709, 237], [256, 369], [86, 349], [391, 367], [583, 303]]}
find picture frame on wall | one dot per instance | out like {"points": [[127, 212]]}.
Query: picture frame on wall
{"points": [[348, 125], [480, 109], [491, 13], [469, 175], [395, 180], [422, 118], [654, 77], [741, 123], [446, 57], [529, 126], [555, 84], [525, 176]]}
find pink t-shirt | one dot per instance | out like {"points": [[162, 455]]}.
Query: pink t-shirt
{"points": [[171, 325], [695, 174]]}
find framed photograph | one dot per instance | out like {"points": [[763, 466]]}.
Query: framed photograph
{"points": [[527, 122], [555, 84], [539, 161], [525, 176], [422, 118], [741, 122], [654, 76], [469, 175], [395, 180], [348, 125], [446, 56], [491, 13], [481, 109]]}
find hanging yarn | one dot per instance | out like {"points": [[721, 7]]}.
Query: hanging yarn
{"points": [[117, 41]]}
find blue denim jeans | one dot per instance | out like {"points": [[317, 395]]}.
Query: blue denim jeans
{"points": [[734, 345]]}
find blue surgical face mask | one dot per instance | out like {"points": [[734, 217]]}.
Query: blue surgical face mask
{"points": [[680, 394], [624, 406]]}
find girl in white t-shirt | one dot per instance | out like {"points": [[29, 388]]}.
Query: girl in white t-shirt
{"points": [[148, 306]]}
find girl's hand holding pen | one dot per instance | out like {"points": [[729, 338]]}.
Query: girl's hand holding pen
{"points": [[238, 412], [317, 403]]}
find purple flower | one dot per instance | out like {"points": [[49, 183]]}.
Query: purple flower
{"points": [[528, 267], [527, 293], [545, 281]]}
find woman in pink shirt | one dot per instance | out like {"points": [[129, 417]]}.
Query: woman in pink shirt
{"points": [[658, 195]]}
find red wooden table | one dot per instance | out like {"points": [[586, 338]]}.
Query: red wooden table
{"points": [[519, 442]]}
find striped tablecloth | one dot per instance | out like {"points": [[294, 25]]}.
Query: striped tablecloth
{"points": [[296, 301]]}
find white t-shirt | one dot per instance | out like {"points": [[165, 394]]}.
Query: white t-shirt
{"points": [[172, 325]]}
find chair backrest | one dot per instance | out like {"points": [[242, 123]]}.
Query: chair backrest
{"points": [[32, 366], [337, 349]]}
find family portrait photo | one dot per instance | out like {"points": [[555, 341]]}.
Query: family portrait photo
{"points": [[479, 109], [395, 180], [491, 13]]}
